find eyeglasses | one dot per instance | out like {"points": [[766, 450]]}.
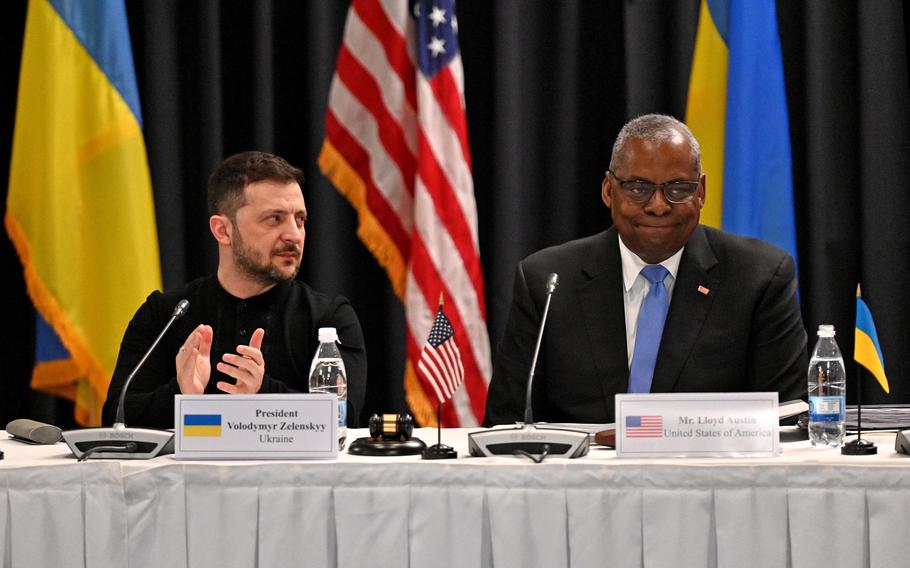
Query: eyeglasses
{"points": [[640, 192]]}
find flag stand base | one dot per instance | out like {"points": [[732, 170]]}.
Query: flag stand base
{"points": [[859, 447], [439, 452]]}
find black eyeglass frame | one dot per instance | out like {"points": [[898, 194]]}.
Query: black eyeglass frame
{"points": [[642, 198]]}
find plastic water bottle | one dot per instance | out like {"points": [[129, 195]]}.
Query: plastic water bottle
{"points": [[327, 375], [827, 391]]}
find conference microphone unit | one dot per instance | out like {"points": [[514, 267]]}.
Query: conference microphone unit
{"points": [[527, 438], [118, 441]]}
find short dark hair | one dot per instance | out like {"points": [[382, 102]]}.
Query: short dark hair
{"points": [[227, 183]]}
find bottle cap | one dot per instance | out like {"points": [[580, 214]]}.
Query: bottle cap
{"points": [[826, 330], [328, 335]]}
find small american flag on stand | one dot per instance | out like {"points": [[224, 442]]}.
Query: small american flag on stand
{"points": [[440, 360]]}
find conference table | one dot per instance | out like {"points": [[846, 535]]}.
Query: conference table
{"points": [[805, 508]]}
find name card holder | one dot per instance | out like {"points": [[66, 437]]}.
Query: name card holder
{"points": [[256, 426], [697, 425]]}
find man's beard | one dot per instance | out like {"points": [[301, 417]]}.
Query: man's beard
{"points": [[262, 271]]}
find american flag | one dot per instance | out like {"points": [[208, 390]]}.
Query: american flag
{"points": [[644, 426], [440, 361], [396, 146]]}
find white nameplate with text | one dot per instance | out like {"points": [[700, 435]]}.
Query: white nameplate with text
{"points": [[697, 425], [256, 426]]}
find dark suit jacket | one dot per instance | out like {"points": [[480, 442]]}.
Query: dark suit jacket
{"points": [[745, 334]]}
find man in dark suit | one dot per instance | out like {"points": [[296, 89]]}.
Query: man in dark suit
{"points": [[722, 313]]}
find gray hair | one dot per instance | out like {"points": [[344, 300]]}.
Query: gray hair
{"points": [[657, 129]]}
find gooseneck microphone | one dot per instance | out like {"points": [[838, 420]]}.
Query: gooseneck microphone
{"points": [[179, 310], [552, 283], [120, 442], [527, 439]]}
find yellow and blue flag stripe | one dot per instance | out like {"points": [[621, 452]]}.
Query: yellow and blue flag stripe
{"points": [[208, 425], [866, 349], [737, 108], [79, 208]]}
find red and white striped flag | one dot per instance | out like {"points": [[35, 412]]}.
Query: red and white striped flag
{"points": [[440, 361], [396, 146]]}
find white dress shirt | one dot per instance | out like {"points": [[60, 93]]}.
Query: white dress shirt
{"points": [[636, 287]]}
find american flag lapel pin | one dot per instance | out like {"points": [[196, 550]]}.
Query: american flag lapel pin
{"points": [[703, 290]]}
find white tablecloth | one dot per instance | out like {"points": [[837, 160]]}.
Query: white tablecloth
{"points": [[806, 508]]}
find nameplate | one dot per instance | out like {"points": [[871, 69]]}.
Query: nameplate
{"points": [[256, 426], [697, 425]]}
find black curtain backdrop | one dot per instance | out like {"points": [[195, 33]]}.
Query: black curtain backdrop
{"points": [[548, 85]]}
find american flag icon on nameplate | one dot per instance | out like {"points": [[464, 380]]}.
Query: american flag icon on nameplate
{"points": [[644, 426]]}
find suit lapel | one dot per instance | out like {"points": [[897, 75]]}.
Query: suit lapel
{"points": [[689, 308], [601, 303]]}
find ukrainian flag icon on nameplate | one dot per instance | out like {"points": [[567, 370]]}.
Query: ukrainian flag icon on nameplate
{"points": [[208, 425]]}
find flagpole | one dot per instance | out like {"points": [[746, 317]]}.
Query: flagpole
{"points": [[859, 385], [439, 451], [439, 403], [858, 447]]}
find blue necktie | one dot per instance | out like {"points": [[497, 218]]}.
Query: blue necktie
{"points": [[651, 320]]}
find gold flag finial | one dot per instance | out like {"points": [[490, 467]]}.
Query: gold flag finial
{"points": [[440, 299], [858, 292]]}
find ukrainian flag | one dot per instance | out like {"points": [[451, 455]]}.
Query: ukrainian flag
{"points": [[866, 350], [79, 209], [208, 425], [737, 108]]}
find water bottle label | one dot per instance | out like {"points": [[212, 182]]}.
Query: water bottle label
{"points": [[827, 409], [342, 413]]}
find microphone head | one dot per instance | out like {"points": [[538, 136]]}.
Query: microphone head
{"points": [[552, 282], [35, 432], [182, 307]]}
